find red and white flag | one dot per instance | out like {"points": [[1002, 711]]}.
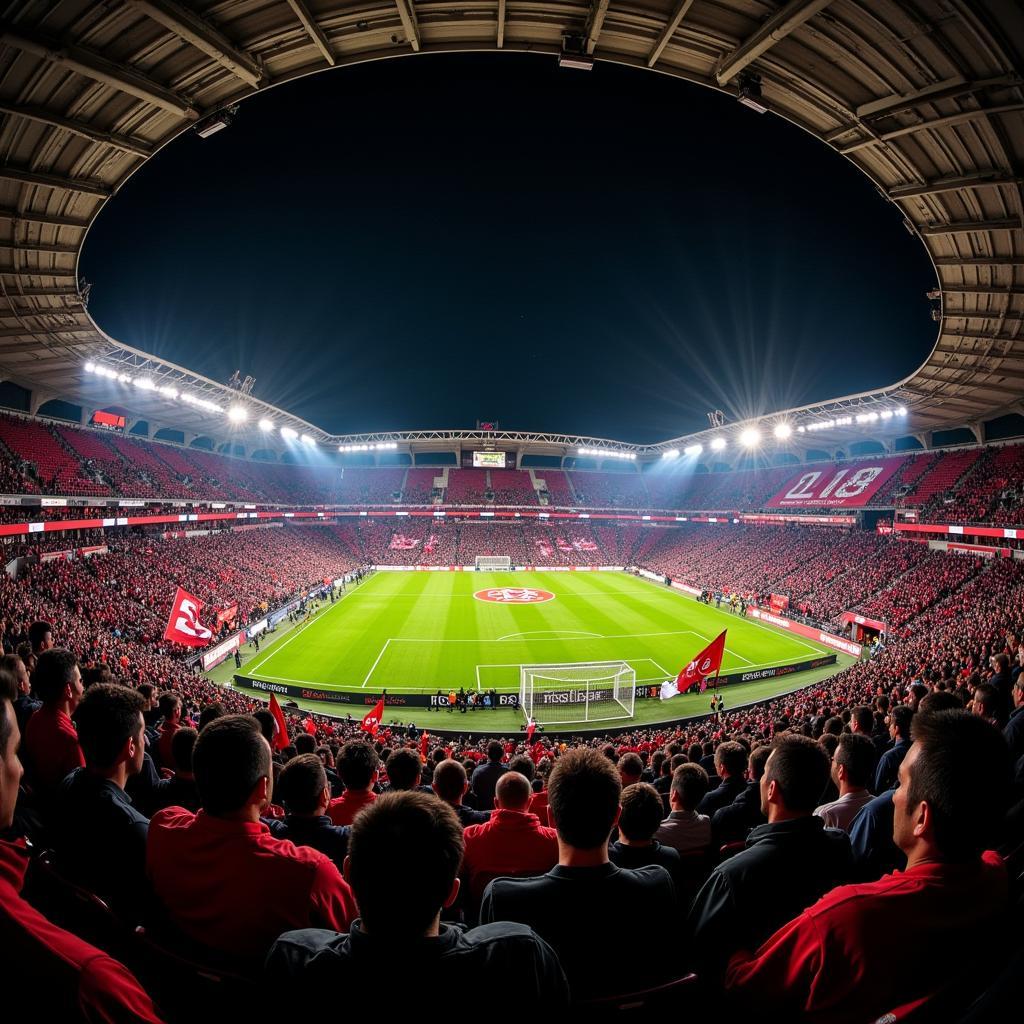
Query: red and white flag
{"points": [[424, 741], [371, 720], [704, 664], [184, 627], [281, 733]]}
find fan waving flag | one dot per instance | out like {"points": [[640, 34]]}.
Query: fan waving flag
{"points": [[704, 664], [281, 733], [184, 627], [531, 728], [371, 720], [424, 743]]}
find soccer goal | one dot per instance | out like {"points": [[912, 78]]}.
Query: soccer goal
{"points": [[593, 691], [494, 562]]}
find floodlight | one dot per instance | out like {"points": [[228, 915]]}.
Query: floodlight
{"points": [[238, 414], [901, 411], [718, 444], [90, 367], [145, 383], [750, 92], [750, 438], [693, 449], [266, 425], [670, 453], [306, 439], [168, 392], [288, 434], [783, 430]]}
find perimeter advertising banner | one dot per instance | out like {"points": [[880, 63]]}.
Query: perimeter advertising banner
{"points": [[849, 486]]}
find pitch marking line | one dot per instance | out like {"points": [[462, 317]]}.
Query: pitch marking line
{"points": [[374, 665], [299, 630], [538, 632]]}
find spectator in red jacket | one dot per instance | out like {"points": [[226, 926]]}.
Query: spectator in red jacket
{"points": [[64, 977], [512, 842], [357, 766], [863, 950], [50, 744], [220, 875]]}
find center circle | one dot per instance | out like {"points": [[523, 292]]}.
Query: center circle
{"points": [[514, 595]]}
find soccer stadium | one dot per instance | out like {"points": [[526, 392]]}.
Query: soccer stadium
{"points": [[688, 711]]}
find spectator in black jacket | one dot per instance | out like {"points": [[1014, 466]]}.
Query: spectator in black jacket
{"points": [[731, 766], [787, 865], [451, 785], [403, 866], [305, 792], [485, 776], [639, 819], [733, 822], [179, 790]]}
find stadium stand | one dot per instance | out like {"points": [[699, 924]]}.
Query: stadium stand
{"points": [[419, 486], [466, 486], [512, 487], [610, 490]]}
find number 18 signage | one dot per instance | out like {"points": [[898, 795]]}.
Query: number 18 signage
{"points": [[850, 486]]}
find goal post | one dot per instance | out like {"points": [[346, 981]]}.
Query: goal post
{"points": [[592, 691], [493, 562]]}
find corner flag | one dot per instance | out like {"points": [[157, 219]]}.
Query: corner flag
{"points": [[707, 661]]}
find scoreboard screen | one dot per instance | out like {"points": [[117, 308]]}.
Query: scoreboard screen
{"points": [[489, 460]]}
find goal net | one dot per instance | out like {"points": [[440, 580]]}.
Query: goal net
{"points": [[493, 562], [593, 691]]}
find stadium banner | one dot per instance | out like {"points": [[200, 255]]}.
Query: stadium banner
{"points": [[217, 654], [644, 691], [255, 628], [977, 550], [57, 556], [769, 519], [838, 643], [849, 486], [778, 602]]}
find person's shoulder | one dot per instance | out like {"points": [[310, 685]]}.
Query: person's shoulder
{"points": [[172, 818], [294, 950], [506, 888]]}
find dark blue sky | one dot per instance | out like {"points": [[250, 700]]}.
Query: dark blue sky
{"points": [[420, 243]]}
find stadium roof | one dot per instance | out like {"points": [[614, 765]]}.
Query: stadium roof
{"points": [[927, 100]]}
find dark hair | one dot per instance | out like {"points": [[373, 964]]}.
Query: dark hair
{"points": [[404, 854], [107, 718], [583, 797], [864, 717], [305, 744], [230, 757], [210, 713], [940, 700], [829, 742], [956, 750], [1001, 660], [513, 790], [37, 633], [54, 670], [267, 724], [833, 726], [495, 751], [732, 757], [758, 759], [800, 768], [642, 811], [146, 690], [168, 703], [631, 764], [404, 769], [183, 744], [302, 783], [856, 753], [901, 716], [450, 780], [690, 783], [523, 765], [356, 763], [8, 695]]}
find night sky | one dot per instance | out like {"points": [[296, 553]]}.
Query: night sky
{"points": [[422, 243]]}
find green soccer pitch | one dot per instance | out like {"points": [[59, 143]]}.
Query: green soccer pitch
{"points": [[416, 632]]}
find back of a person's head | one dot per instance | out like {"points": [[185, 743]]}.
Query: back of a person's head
{"points": [[758, 759], [856, 755], [404, 853], [495, 751], [829, 742], [941, 700], [39, 633], [404, 769], [266, 723], [642, 811], [689, 784], [210, 713], [863, 717], [963, 771], [107, 718], [168, 703], [230, 757], [800, 769], [901, 716], [54, 671], [987, 701], [732, 756], [583, 797], [513, 792], [357, 761], [631, 766], [301, 784], [523, 765], [1001, 662], [449, 780], [305, 744], [183, 745]]}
